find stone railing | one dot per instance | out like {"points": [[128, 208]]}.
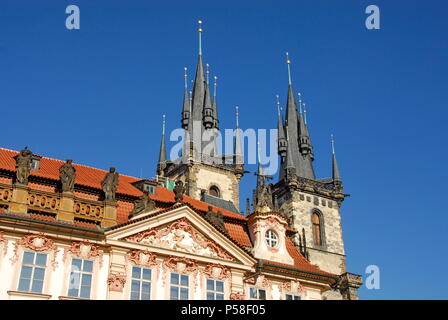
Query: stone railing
{"points": [[90, 210], [43, 200]]}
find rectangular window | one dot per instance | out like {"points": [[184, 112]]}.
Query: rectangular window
{"points": [[80, 278], [257, 294], [215, 290], [179, 287], [141, 284], [292, 297], [33, 272]]}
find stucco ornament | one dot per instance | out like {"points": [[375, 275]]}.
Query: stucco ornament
{"points": [[39, 243], [116, 282], [180, 236], [84, 250], [4, 243], [217, 271]]}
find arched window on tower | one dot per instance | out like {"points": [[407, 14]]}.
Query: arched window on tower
{"points": [[214, 191], [317, 229]]}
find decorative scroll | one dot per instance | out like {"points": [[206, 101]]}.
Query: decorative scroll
{"points": [[85, 250], [181, 236], [116, 282], [36, 242]]}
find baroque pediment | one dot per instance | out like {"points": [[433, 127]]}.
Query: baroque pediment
{"points": [[180, 235]]}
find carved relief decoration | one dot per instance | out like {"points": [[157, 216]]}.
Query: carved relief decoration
{"points": [[143, 258], [36, 242], [180, 265], [293, 287], [116, 282], [181, 236], [4, 241], [237, 296], [84, 250], [217, 271]]}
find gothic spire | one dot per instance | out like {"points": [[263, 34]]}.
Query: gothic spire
{"points": [[162, 153], [305, 146], [336, 175], [214, 105], [186, 106], [237, 147], [282, 145]]}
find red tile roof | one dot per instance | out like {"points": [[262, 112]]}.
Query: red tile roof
{"points": [[235, 224]]}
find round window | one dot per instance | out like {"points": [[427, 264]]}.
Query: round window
{"points": [[271, 238]]}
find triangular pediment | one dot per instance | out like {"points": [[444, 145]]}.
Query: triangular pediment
{"points": [[184, 231]]}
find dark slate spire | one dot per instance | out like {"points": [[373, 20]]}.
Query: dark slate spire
{"points": [[305, 147], [214, 105], [282, 144], [208, 111], [186, 106], [238, 151], [336, 175], [162, 153]]}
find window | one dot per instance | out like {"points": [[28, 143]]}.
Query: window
{"points": [[33, 272], [215, 290], [317, 231], [214, 191], [141, 284], [292, 297], [179, 287], [271, 238], [257, 294], [80, 278]]}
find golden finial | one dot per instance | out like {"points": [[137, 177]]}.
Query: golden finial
{"points": [[185, 77], [200, 24], [207, 72], [237, 115], [214, 85], [163, 125], [304, 112], [278, 104]]}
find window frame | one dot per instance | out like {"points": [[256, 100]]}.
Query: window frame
{"points": [[277, 239], [32, 276], [321, 226], [141, 281], [256, 289], [214, 291], [81, 273], [293, 296], [179, 285], [216, 189]]}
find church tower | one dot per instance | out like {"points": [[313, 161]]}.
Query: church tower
{"points": [[312, 205], [207, 174]]}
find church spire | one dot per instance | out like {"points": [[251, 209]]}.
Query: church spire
{"points": [[186, 106], [214, 105], [336, 175], [238, 149], [162, 153], [282, 144]]}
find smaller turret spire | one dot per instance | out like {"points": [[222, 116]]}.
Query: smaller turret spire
{"points": [[238, 149], [336, 175], [237, 116], [214, 105], [162, 152], [186, 111], [282, 144], [300, 102], [207, 72]]}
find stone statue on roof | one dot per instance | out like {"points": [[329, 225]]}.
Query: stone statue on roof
{"points": [[109, 185], [67, 174], [263, 200], [179, 190], [216, 218], [143, 203], [23, 166]]}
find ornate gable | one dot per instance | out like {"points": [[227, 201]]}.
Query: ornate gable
{"points": [[180, 235]]}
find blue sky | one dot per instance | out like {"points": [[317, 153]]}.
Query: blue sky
{"points": [[97, 95]]}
